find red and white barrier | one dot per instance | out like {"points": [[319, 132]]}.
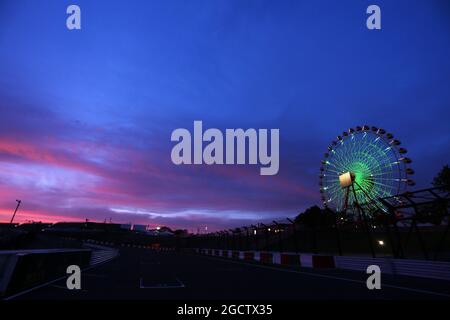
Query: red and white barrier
{"points": [[281, 258], [236, 255], [291, 259], [249, 255], [266, 257]]}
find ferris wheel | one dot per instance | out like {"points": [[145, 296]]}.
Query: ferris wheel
{"points": [[361, 166]]}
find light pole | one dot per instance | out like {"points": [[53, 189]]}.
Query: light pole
{"points": [[294, 229], [280, 240], [15, 211]]}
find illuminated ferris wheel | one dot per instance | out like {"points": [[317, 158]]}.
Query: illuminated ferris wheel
{"points": [[361, 166]]}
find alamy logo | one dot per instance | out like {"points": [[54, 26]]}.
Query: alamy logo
{"points": [[240, 146], [73, 21], [374, 280], [74, 280], [374, 20]]}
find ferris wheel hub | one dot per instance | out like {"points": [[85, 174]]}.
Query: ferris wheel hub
{"points": [[346, 179]]}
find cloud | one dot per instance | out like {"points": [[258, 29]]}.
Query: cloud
{"points": [[66, 173]]}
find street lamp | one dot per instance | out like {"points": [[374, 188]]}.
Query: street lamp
{"points": [[15, 211]]}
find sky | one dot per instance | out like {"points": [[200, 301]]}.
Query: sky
{"points": [[86, 115]]}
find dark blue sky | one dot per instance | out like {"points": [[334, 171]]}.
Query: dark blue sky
{"points": [[86, 116]]}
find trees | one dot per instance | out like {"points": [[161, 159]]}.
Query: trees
{"points": [[181, 232], [442, 179], [316, 217]]}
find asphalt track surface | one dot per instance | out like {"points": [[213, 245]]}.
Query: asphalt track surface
{"points": [[148, 275]]}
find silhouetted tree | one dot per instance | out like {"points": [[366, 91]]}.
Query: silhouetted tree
{"points": [[316, 217], [165, 229], [181, 232], [442, 179]]}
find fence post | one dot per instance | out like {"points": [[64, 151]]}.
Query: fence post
{"points": [[294, 230]]}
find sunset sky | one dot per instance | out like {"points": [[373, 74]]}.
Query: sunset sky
{"points": [[86, 115]]}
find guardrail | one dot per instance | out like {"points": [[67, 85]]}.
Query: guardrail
{"points": [[405, 267], [100, 254], [22, 269]]}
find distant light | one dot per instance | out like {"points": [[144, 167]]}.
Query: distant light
{"points": [[381, 242], [157, 228], [268, 229], [254, 232]]}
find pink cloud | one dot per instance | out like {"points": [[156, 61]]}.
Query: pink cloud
{"points": [[95, 176]]}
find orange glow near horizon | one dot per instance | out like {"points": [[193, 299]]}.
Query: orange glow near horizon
{"points": [[29, 216]]}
